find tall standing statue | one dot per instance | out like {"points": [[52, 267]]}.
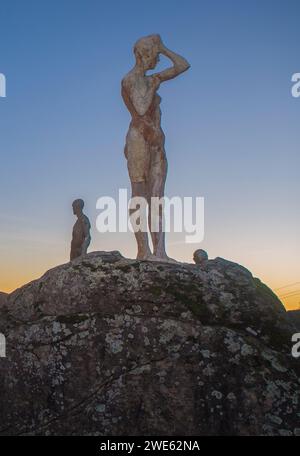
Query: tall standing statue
{"points": [[81, 231], [144, 150]]}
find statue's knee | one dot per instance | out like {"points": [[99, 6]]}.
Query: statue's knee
{"points": [[139, 189]]}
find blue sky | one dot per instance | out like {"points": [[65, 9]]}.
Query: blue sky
{"points": [[231, 125]]}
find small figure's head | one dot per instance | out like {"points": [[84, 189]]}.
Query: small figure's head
{"points": [[77, 205], [200, 257], [146, 51]]}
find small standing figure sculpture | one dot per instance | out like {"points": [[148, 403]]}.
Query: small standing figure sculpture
{"points": [[81, 237], [144, 150]]}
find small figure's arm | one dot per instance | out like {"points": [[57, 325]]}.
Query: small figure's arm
{"points": [[87, 236]]}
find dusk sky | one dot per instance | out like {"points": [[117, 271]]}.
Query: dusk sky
{"points": [[231, 126]]}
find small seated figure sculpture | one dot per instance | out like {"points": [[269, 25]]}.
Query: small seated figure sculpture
{"points": [[81, 237], [200, 257]]}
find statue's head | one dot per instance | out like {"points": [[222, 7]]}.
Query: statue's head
{"points": [[146, 51], [200, 257], [77, 205]]}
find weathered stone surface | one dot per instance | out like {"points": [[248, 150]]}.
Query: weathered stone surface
{"points": [[3, 297], [294, 317], [109, 346]]}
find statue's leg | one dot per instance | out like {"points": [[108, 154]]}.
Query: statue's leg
{"points": [[138, 161], [156, 189], [144, 252]]}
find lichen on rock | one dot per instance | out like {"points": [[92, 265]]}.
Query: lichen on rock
{"points": [[110, 346]]}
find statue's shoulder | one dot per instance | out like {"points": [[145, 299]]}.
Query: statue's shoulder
{"points": [[86, 220], [128, 80]]}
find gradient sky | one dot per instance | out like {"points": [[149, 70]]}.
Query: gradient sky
{"points": [[231, 125]]}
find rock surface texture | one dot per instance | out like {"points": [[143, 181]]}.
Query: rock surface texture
{"points": [[110, 346], [294, 316], [3, 297]]}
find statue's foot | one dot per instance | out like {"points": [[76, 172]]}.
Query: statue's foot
{"points": [[151, 257], [164, 257], [146, 257]]}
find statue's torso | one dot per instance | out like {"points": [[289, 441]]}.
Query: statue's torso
{"points": [[148, 125], [79, 230]]}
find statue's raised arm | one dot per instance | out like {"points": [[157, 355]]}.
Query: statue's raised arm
{"points": [[180, 63]]}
